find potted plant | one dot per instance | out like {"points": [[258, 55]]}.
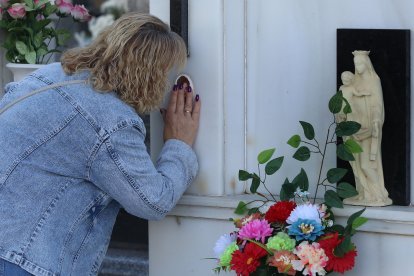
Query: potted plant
{"points": [[32, 32]]}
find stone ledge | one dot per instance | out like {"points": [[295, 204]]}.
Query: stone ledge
{"points": [[390, 219], [125, 262]]}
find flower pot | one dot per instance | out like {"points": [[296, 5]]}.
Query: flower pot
{"points": [[20, 70]]}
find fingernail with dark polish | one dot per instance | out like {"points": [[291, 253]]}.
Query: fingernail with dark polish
{"points": [[161, 111], [175, 87], [197, 98], [189, 90]]}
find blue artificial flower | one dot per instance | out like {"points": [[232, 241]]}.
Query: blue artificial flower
{"points": [[306, 229]]}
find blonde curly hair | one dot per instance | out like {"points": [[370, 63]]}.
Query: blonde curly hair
{"points": [[131, 57]]}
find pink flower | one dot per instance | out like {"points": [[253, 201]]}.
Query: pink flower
{"points": [[256, 229], [17, 10], [312, 258], [64, 6], [4, 3], [79, 12]]}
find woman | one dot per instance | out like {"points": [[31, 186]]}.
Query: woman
{"points": [[368, 110], [73, 154]]}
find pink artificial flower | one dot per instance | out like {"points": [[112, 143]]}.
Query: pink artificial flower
{"points": [[1, 13], [256, 229], [311, 257], [17, 10], [79, 12], [64, 6], [4, 3]]}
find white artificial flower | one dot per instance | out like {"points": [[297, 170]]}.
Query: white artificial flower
{"points": [[301, 194], [115, 4], [97, 24], [222, 243], [305, 211]]}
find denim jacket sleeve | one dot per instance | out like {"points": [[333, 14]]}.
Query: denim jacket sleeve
{"points": [[123, 169]]}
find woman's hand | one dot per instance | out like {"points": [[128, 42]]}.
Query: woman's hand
{"points": [[182, 115]]}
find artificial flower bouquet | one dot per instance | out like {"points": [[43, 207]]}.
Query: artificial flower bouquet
{"points": [[30, 36], [294, 234]]}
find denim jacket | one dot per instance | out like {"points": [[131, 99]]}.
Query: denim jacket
{"points": [[70, 157]]}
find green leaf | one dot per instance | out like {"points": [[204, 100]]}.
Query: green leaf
{"points": [[301, 180], [283, 195], [347, 128], [30, 57], [336, 174], [39, 25], [347, 108], [274, 165], [302, 154], [343, 247], [62, 38], [265, 155], [343, 153], [294, 141], [21, 47], [338, 228], [287, 191], [255, 183], [241, 208], [49, 10], [243, 175], [335, 103], [29, 3], [41, 52], [332, 199], [353, 146], [346, 190], [253, 210], [359, 221], [308, 130], [352, 217]]}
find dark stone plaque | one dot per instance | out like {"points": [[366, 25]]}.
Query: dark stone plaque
{"points": [[390, 55], [179, 19]]}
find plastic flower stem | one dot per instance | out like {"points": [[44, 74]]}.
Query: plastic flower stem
{"points": [[57, 24], [323, 159], [310, 144], [263, 182]]}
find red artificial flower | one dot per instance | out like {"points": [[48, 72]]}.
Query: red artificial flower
{"points": [[247, 261], [280, 211], [339, 264]]}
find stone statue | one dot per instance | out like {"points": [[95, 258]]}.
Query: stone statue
{"points": [[364, 93]]}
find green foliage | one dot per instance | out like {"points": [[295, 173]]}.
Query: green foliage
{"points": [[265, 155], [294, 141], [335, 174], [274, 165], [302, 154], [308, 130]]}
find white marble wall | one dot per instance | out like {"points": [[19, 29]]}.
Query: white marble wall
{"points": [[260, 67]]}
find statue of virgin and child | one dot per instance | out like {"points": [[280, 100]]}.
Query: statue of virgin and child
{"points": [[364, 93]]}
